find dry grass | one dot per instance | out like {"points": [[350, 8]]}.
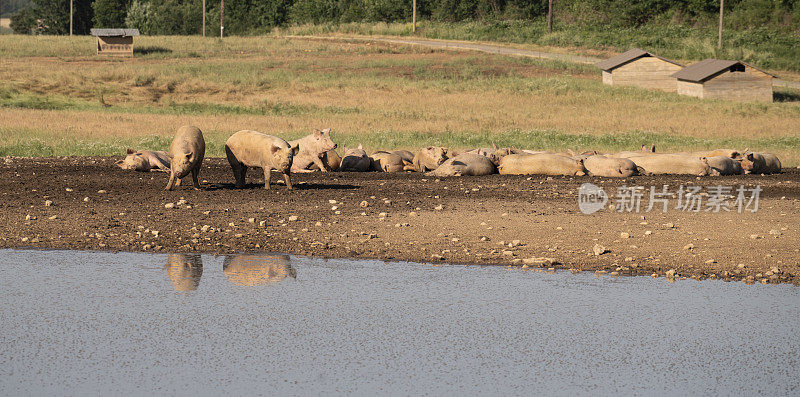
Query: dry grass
{"points": [[375, 93]]}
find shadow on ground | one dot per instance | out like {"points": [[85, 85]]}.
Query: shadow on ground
{"points": [[786, 96], [151, 50]]}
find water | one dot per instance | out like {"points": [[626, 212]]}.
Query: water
{"points": [[79, 323]]}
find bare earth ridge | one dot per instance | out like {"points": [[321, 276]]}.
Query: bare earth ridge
{"points": [[89, 204]]}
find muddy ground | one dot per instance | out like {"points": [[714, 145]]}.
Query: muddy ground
{"points": [[89, 204]]}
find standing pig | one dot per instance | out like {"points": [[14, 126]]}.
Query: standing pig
{"points": [[598, 165], [466, 164], [428, 159], [356, 160], [540, 164], [145, 160], [186, 155], [312, 149], [248, 148]]}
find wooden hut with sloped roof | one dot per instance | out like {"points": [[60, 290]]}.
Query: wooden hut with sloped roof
{"points": [[640, 68], [722, 79], [115, 41]]}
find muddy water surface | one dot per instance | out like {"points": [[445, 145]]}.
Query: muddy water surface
{"points": [[90, 323]]}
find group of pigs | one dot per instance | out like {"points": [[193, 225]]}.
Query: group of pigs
{"points": [[317, 151]]}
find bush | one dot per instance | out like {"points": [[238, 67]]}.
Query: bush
{"points": [[139, 16], [23, 22]]}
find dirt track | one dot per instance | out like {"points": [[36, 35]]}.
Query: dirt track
{"points": [[477, 213]]}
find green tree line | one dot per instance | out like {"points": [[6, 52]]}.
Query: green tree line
{"points": [[244, 17]]}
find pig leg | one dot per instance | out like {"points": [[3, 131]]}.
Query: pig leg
{"points": [[288, 180], [240, 174], [195, 172], [267, 171], [171, 183], [239, 169], [321, 164]]}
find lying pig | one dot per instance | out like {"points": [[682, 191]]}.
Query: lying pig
{"points": [[356, 160], [467, 164], [598, 165], [387, 162], [730, 153], [331, 159], [495, 153], [760, 163], [186, 155], [248, 148], [311, 150], [540, 164], [673, 164], [405, 155], [428, 159], [254, 270], [724, 165], [145, 160]]}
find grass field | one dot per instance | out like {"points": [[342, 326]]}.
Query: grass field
{"points": [[770, 48], [58, 98]]}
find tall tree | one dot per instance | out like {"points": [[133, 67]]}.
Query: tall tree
{"points": [[110, 13], [52, 16]]}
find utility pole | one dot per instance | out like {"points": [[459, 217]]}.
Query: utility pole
{"points": [[549, 16], [721, 5], [414, 17], [204, 18], [221, 18], [70, 17]]}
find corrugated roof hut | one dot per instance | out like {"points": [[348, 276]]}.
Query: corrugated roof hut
{"points": [[640, 68], [115, 41], [721, 79]]}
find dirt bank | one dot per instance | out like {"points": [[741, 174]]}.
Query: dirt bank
{"points": [[87, 203]]}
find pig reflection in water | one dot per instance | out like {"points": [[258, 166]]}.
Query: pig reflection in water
{"points": [[184, 270], [252, 270]]}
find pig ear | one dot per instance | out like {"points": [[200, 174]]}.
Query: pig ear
{"points": [[571, 153], [317, 132], [360, 147], [130, 151], [295, 149], [326, 131], [274, 149]]}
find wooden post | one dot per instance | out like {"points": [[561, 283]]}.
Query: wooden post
{"points": [[549, 16], [204, 18], [414, 17], [221, 18], [70, 17], [721, 5]]}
